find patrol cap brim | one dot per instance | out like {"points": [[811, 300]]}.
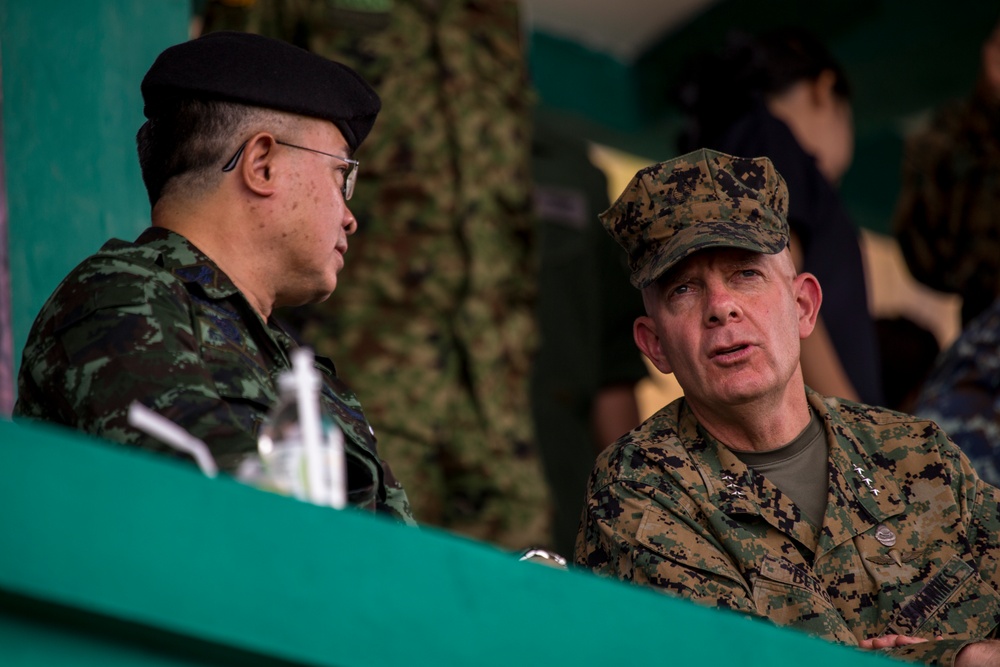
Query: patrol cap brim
{"points": [[262, 72], [710, 232]]}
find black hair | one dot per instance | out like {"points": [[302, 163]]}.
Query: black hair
{"points": [[716, 89]]}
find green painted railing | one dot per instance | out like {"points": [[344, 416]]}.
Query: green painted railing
{"points": [[114, 556]]}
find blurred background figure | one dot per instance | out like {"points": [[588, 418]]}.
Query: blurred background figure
{"points": [[908, 352], [584, 377], [948, 215], [963, 393], [435, 326], [782, 95]]}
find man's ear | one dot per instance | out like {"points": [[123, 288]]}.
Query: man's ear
{"points": [[822, 88], [648, 339], [257, 165], [808, 299]]}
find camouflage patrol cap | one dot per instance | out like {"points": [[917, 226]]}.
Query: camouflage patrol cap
{"points": [[704, 199], [261, 72]]}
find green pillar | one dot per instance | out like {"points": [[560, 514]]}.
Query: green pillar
{"points": [[71, 107]]}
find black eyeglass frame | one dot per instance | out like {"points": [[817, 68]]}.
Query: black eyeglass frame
{"points": [[350, 178]]}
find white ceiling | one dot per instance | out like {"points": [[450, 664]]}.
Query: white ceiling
{"points": [[621, 28]]}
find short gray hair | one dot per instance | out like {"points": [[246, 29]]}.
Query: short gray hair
{"points": [[185, 147]]}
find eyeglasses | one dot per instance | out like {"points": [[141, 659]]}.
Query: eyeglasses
{"points": [[350, 177]]}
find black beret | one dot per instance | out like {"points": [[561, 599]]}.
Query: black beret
{"points": [[262, 72]]}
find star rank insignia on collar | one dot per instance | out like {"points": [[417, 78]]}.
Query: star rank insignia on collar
{"points": [[866, 480]]}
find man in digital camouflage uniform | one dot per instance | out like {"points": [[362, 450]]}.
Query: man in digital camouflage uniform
{"points": [[753, 493], [246, 159], [947, 218], [434, 324]]}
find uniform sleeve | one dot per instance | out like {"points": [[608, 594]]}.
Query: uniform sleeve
{"points": [[985, 532], [633, 532], [940, 652], [137, 342], [980, 505], [396, 504]]}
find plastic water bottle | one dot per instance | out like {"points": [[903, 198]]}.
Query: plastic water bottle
{"points": [[301, 454]]}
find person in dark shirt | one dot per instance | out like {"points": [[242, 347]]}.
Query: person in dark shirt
{"points": [[783, 96]]}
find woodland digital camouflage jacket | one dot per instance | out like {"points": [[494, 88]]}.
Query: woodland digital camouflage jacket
{"points": [[910, 543], [157, 321]]}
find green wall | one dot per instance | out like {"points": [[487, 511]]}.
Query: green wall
{"points": [[71, 107]]}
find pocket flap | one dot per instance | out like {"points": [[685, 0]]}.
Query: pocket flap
{"points": [[675, 541]]}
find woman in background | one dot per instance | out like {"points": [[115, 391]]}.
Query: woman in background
{"points": [[782, 95]]}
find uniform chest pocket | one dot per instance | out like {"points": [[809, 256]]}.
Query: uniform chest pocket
{"points": [[694, 566], [954, 602], [243, 387], [238, 378], [790, 595]]}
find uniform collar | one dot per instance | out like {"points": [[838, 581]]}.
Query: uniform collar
{"points": [[859, 488], [736, 489], [185, 261]]}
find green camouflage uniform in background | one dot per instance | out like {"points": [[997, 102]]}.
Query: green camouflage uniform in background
{"points": [[910, 543], [947, 219], [432, 320], [585, 312], [156, 321]]}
